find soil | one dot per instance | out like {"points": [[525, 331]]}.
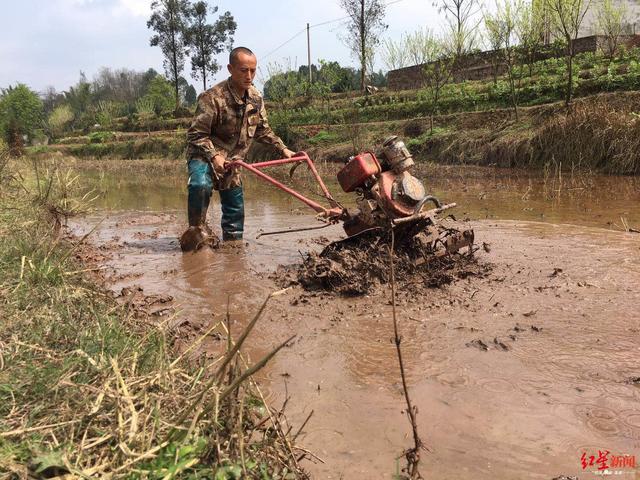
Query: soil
{"points": [[361, 265]]}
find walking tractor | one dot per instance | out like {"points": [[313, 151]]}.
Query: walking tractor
{"points": [[388, 197]]}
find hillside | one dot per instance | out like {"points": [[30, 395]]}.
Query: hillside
{"points": [[472, 123]]}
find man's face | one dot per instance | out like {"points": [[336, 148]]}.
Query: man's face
{"points": [[242, 71]]}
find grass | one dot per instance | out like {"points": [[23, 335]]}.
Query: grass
{"points": [[147, 147], [597, 134], [91, 388], [323, 137]]}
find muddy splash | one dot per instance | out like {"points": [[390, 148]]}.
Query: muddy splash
{"points": [[361, 265]]}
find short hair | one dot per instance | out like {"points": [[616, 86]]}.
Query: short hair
{"points": [[235, 53]]}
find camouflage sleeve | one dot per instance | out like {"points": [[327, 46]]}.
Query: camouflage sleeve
{"points": [[198, 135], [264, 134]]}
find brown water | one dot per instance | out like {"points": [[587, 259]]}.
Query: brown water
{"points": [[560, 264]]}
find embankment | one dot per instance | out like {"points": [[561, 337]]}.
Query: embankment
{"points": [[597, 133]]}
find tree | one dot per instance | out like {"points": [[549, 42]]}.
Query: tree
{"points": [[79, 96], [566, 19], [207, 41], [21, 113], [190, 95], [159, 94], [145, 111], [51, 99], [59, 120], [610, 21], [530, 28], [122, 85], [170, 21], [495, 35], [436, 74], [503, 24], [364, 27], [394, 54], [422, 46], [414, 48], [462, 23], [106, 112]]}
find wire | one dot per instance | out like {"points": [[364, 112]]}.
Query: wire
{"points": [[317, 25], [283, 44]]}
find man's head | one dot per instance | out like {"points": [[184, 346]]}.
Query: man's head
{"points": [[242, 67]]}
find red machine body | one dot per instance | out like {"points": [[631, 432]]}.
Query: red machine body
{"points": [[359, 169], [386, 189]]}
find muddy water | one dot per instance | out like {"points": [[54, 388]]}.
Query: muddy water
{"points": [[559, 315]]}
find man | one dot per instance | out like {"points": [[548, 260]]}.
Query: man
{"points": [[229, 117]]}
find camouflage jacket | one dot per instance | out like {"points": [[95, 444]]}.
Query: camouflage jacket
{"points": [[226, 124]]}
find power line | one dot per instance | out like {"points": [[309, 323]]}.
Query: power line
{"points": [[283, 44], [318, 25], [348, 16]]}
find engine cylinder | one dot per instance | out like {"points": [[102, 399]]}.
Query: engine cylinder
{"points": [[397, 154]]}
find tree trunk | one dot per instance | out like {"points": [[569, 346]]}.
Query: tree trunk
{"points": [[363, 58], [174, 66], [570, 72], [204, 65]]}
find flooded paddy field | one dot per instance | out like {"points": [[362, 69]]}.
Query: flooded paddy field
{"points": [[516, 373]]}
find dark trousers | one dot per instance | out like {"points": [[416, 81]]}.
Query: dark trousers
{"points": [[231, 200]]}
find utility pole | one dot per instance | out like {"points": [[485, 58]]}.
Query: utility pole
{"points": [[309, 55]]}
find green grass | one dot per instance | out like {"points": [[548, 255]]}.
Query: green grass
{"points": [[323, 137], [418, 141]]}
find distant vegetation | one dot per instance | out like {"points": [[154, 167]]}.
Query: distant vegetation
{"points": [[542, 82]]}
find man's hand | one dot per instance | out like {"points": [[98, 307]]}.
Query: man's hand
{"points": [[219, 163], [288, 153]]}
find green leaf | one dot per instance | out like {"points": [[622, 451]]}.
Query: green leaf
{"points": [[49, 465]]}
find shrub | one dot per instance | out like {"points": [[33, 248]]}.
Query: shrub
{"points": [[101, 137], [59, 120], [21, 113]]}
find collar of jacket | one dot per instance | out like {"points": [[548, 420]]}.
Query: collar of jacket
{"points": [[249, 96]]}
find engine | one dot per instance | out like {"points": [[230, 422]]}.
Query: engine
{"points": [[385, 188]]}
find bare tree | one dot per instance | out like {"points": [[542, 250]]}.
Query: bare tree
{"points": [[610, 22], [566, 18], [530, 29], [366, 23], [170, 20], [504, 22], [463, 24], [208, 40], [121, 85], [394, 54], [436, 74]]}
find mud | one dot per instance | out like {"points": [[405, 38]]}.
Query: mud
{"points": [[362, 265], [557, 313]]}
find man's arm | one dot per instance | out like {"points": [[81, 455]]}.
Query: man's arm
{"points": [[264, 134], [199, 133]]}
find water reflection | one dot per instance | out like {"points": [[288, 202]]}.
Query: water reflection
{"points": [[481, 193]]}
